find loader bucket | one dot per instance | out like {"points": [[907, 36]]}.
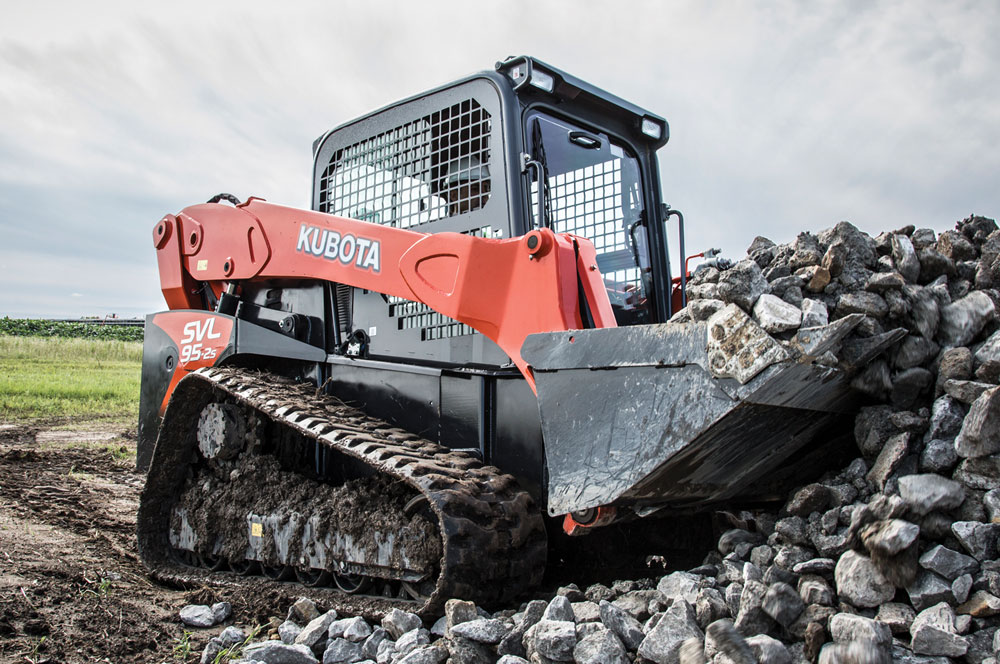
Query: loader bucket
{"points": [[682, 413]]}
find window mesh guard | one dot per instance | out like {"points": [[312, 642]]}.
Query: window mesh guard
{"points": [[589, 202], [419, 172], [416, 173]]}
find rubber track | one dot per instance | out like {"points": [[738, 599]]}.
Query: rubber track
{"points": [[492, 534]]}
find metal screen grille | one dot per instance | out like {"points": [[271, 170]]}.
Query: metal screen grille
{"points": [[432, 325], [588, 202], [416, 173]]}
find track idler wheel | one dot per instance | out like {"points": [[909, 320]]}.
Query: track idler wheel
{"points": [[222, 431]]}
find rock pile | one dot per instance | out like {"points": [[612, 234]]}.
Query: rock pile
{"points": [[893, 558]]}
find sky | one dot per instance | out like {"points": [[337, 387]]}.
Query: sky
{"points": [[785, 116]]}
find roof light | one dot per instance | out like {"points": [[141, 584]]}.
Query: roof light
{"points": [[542, 80], [652, 128]]}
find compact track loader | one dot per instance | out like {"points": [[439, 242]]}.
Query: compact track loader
{"points": [[381, 397]]}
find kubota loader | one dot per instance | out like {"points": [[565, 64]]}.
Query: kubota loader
{"points": [[381, 397]]}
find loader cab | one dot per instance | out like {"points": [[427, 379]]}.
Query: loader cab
{"points": [[495, 155]]}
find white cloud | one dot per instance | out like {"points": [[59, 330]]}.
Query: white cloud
{"points": [[785, 116]]}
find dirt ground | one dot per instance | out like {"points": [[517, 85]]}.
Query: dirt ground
{"points": [[72, 588]]}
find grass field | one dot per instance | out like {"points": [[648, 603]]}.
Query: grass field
{"points": [[64, 377]]}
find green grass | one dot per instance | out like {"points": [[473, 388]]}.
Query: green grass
{"points": [[66, 377]]}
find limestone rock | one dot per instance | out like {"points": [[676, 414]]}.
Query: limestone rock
{"points": [[860, 583], [961, 321], [197, 615], [929, 492], [678, 624], [600, 648], [933, 633], [980, 433], [775, 315]]}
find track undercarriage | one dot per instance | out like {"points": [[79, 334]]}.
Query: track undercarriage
{"points": [[256, 475]]}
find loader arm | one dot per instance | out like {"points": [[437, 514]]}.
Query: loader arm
{"points": [[505, 289]]}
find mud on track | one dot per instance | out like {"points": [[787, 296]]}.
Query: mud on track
{"points": [[69, 570]]}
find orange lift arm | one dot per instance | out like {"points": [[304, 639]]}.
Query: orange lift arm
{"points": [[505, 289]]}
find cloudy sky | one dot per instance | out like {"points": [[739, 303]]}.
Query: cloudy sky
{"points": [[785, 116]]}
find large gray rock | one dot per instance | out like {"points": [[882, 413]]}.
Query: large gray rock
{"points": [[963, 320], [966, 391], [947, 416], [313, 635], [751, 618], [303, 610], [288, 631], [930, 493], [814, 313], [342, 651], [978, 539], [980, 434], [889, 459], [398, 622], [559, 609], [483, 630], [430, 654], [354, 630], [938, 456], [221, 611], [465, 651], [742, 284], [933, 633], [815, 590], [411, 640], [197, 615], [678, 624], [905, 257], [989, 350], [231, 636], [927, 590], [369, 649], [600, 648], [276, 652], [680, 585], [860, 583], [554, 639], [961, 587], [948, 563], [783, 603], [458, 611], [775, 315], [869, 304], [586, 611], [768, 650], [982, 473], [896, 616], [622, 624]]}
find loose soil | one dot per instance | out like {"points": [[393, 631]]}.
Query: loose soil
{"points": [[72, 587]]}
